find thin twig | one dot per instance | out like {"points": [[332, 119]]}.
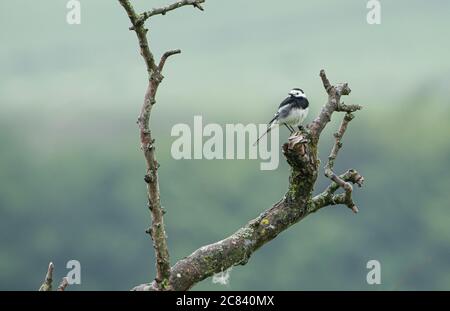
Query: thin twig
{"points": [[62, 286], [141, 33], [333, 104], [47, 285], [165, 57], [155, 77], [348, 200], [146, 15], [328, 197]]}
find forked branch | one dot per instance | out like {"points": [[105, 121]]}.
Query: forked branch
{"points": [[47, 284], [155, 77], [334, 96], [297, 203], [146, 15], [347, 198]]}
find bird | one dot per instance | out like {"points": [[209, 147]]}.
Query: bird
{"points": [[291, 112]]}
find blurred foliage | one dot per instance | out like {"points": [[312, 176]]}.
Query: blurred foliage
{"points": [[71, 172]]}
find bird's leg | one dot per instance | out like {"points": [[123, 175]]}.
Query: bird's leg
{"points": [[289, 128]]}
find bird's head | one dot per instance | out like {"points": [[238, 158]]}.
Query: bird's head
{"points": [[296, 92]]}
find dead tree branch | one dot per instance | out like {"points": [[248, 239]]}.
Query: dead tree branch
{"points": [[141, 18], [302, 155], [47, 284], [334, 95], [195, 3], [155, 77], [165, 57], [301, 152], [62, 286], [328, 197], [347, 199]]}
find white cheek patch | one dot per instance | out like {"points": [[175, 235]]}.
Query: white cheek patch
{"points": [[297, 93]]}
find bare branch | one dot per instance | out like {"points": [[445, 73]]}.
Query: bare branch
{"points": [[146, 15], [334, 95], [347, 198], [328, 197], [336, 147], [62, 286], [165, 57], [141, 33], [326, 83], [297, 203], [348, 108], [157, 229], [47, 285], [351, 176], [301, 154]]}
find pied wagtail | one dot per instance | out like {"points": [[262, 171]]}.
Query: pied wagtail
{"points": [[291, 112]]}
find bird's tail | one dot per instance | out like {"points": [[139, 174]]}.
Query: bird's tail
{"points": [[270, 125]]}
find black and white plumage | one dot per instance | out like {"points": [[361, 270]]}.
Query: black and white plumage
{"points": [[291, 112]]}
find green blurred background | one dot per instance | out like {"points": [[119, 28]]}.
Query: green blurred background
{"points": [[71, 172]]}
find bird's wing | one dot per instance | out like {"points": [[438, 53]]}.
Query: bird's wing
{"points": [[301, 103], [284, 111], [305, 103], [287, 101]]}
